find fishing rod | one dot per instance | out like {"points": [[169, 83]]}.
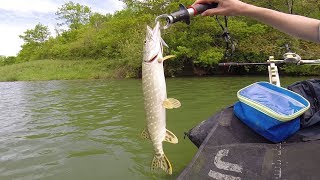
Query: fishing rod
{"points": [[184, 14], [301, 62], [246, 64], [289, 58]]}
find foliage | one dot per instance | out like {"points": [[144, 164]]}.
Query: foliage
{"points": [[7, 60], [118, 39], [209, 57], [73, 15], [39, 34]]}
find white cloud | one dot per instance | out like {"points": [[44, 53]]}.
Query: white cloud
{"points": [[10, 41], [42, 6], [16, 16], [105, 6], [49, 6]]}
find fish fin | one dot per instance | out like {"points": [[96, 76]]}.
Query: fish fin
{"points": [[164, 43], [149, 29], [165, 58], [171, 103], [145, 134], [161, 162], [170, 137]]}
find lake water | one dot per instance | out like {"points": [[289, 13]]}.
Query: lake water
{"points": [[90, 129]]}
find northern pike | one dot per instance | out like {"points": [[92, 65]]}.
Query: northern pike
{"points": [[155, 98]]}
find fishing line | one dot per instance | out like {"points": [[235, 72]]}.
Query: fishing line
{"points": [[230, 42]]}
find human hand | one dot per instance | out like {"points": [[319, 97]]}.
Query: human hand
{"points": [[225, 7]]}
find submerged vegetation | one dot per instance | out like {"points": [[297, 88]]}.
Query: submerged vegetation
{"points": [[114, 43]]}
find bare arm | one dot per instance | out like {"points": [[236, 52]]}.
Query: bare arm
{"points": [[298, 26]]}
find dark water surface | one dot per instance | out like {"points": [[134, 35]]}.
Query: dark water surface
{"points": [[90, 129]]}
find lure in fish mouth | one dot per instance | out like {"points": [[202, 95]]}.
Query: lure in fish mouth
{"points": [[153, 48], [155, 98]]}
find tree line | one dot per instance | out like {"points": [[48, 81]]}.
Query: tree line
{"points": [[118, 39]]}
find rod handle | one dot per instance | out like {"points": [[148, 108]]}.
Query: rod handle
{"points": [[200, 8]]}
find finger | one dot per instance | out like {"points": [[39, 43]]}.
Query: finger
{"points": [[210, 12], [205, 2]]}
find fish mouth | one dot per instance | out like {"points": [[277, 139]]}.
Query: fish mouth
{"points": [[153, 58]]}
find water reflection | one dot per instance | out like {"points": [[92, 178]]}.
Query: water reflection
{"points": [[90, 129], [45, 126]]}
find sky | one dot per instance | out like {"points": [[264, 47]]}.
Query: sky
{"points": [[16, 16]]}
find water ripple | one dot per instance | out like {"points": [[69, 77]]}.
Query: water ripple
{"points": [[90, 129], [48, 127]]}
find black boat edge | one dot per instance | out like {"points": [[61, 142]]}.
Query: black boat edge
{"points": [[228, 149]]}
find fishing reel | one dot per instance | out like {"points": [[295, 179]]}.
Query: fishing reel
{"points": [[184, 14], [291, 57]]}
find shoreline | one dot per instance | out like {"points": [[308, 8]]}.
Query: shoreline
{"points": [[46, 70]]}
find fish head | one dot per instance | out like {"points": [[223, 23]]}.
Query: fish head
{"points": [[153, 44]]}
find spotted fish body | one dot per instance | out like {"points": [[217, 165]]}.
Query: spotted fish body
{"points": [[155, 98]]}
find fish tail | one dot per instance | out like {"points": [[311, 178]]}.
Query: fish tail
{"points": [[161, 162]]}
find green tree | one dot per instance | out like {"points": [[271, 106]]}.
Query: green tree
{"points": [[39, 34], [7, 60], [97, 20], [199, 47], [73, 15]]}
